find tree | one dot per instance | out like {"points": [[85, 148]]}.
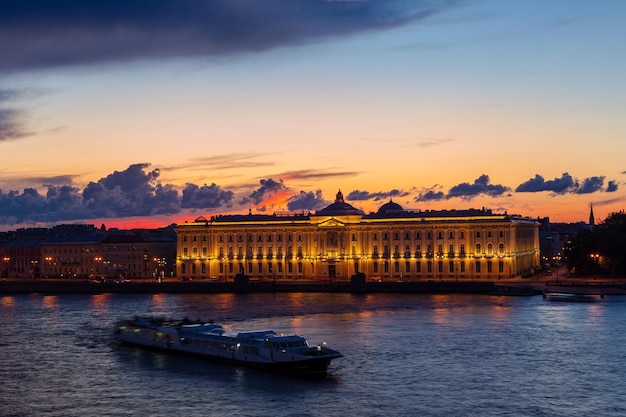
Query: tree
{"points": [[608, 240]]}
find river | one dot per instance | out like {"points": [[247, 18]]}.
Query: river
{"points": [[404, 355]]}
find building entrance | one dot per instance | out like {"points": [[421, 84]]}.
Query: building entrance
{"points": [[332, 271]]}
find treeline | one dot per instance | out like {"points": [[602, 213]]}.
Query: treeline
{"points": [[600, 251]]}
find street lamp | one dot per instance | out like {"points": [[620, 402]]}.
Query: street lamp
{"points": [[595, 257], [6, 260]]}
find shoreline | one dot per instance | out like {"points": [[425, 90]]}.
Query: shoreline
{"points": [[512, 287]]}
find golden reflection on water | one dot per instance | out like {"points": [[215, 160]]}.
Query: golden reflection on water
{"points": [[7, 301], [158, 300], [454, 309], [50, 301], [100, 303]]}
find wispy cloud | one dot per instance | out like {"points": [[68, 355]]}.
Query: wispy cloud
{"points": [[315, 174], [221, 162]]}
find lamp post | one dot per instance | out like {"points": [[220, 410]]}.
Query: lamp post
{"points": [[6, 261], [595, 257]]}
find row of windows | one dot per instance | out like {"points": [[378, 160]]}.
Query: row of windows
{"points": [[478, 249], [279, 238], [250, 269], [382, 267], [384, 235], [441, 267]]}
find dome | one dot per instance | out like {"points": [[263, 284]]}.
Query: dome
{"points": [[390, 207], [339, 208]]}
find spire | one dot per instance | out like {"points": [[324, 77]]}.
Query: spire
{"points": [[592, 220]]}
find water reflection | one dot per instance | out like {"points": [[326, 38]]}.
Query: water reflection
{"points": [[50, 301], [100, 303], [7, 301]]}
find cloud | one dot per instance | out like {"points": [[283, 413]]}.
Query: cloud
{"points": [[480, 186], [206, 197], [427, 143], [590, 185], [612, 186], [135, 191], [13, 121], [13, 124], [430, 195], [313, 174], [219, 162], [307, 201], [538, 183], [566, 184], [132, 192], [464, 190], [267, 187], [43, 34], [358, 195]]}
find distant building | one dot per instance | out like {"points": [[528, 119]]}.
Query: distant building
{"points": [[71, 251], [339, 240], [131, 255]]}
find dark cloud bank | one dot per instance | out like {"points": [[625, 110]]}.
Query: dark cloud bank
{"points": [[137, 191], [41, 33], [44, 34]]}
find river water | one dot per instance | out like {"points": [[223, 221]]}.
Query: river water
{"points": [[405, 355]]}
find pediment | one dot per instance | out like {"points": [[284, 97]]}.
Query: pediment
{"points": [[332, 222]]}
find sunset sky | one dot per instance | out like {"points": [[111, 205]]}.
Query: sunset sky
{"points": [[145, 113]]}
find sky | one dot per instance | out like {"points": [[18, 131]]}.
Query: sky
{"points": [[146, 113]]}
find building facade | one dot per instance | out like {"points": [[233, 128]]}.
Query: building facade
{"points": [[80, 251], [339, 240]]}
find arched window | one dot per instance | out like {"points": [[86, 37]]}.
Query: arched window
{"points": [[489, 249], [501, 248], [478, 249], [185, 252]]}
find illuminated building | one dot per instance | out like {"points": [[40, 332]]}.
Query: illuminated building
{"points": [[339, 240]]}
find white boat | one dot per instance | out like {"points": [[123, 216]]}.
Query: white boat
{"points": [[264, 349], [572, 297]]}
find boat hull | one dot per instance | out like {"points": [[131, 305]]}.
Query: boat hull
{"points": [[572, 297], [304, 361]]}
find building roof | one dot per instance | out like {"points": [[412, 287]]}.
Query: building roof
{"points": [[390, 207], [339, 208]]}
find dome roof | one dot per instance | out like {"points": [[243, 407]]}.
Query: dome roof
{"points": [[338, 208], [390, 207]]}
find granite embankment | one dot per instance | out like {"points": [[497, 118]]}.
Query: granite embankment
{"points": [[45, 286], [512, 287]]}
